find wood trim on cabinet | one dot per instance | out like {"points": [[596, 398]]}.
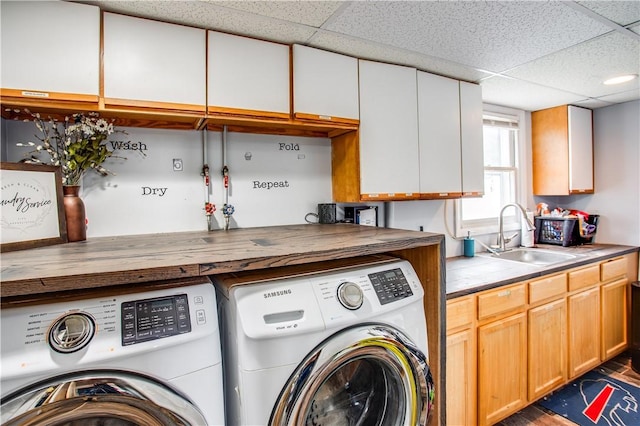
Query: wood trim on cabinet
{"points": [[345, 168], [217, 111], [440, 195], [39, 95], [276, 127], [390, 197], [55, 104], [316, 118], [137, 105], [581, 191]]}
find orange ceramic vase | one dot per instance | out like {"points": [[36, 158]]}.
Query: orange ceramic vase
{"points": [[75, 214]]}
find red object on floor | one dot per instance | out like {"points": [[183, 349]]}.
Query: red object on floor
{"points": [[595, 409]]}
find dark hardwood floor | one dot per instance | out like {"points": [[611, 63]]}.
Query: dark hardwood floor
{"points": [[617, 368]]}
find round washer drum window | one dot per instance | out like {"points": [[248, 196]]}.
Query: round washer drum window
{"points": [[364, 391]]}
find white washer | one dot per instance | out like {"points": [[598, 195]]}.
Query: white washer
{"points": [[127, 356], [326, 347]]}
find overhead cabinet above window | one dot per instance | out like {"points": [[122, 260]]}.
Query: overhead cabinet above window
{"points": [[247, 77], [51, 53], [153, 65], [420, 138], [325, 86]]}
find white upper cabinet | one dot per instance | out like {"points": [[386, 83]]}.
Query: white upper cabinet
{"points": [[248, 75], [389, 157], [471, 140], [325, 85], [581, 149], [156, 64], [439, 129], [50, 49], [450, 127]]}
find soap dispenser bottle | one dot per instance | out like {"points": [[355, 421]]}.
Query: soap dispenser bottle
{"points": [[469, 247]]}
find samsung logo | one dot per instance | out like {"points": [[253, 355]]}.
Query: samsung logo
{"points": [[276, 293]]}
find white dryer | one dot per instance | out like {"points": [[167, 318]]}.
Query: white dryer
{"points": [[125, 356], [339, 346]]}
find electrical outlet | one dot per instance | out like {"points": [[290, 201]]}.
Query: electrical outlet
{"points": [[177, 164]]}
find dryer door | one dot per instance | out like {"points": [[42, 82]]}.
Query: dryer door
{"points": [[370, 374], [104, 397]]}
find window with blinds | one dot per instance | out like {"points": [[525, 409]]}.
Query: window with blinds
{"points": [[501, 146]]}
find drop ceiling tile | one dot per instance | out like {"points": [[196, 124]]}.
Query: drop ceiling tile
{"points": [[377, 52], [518, 94], [312, 13], [583, 68], [592, 103], [212, 16], [620, 12], [630, 95], [490, 35]]}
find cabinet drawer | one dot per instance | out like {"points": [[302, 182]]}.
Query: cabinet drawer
{"points": [[547, 288], [501, 301], [584, 277], [460, 313], [613, 269]]}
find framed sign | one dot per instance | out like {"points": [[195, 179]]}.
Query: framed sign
{"points": [[32, 206]]}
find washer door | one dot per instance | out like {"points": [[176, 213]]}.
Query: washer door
{"points": [[104, 397], [370, 374]]}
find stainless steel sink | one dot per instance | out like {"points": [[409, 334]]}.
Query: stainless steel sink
{"points": [[534, 256]]}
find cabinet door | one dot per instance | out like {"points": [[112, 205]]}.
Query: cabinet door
{"points": [[389, 157], [461, 378], [471, 139], [50, 50], [562, 150], [581, 150], [156, 64], [439, 135], [325, 86], [248, 77], [584, 331], [502, 368], [614, 318], [547, 348]]}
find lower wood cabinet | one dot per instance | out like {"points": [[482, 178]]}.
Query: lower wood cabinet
{"points": [[614, 314], [461, 378], [508, 347], [502, 368], [584, 331], [547, 347]]}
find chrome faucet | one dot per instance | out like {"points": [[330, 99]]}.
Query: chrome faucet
{"points": [[502, 241]]}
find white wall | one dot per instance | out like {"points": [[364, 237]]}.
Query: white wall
{"points": [[147, 196], [617, 176], [116, 205]]}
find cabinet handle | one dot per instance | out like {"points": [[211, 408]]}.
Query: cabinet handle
{"points": [[504, 293]]}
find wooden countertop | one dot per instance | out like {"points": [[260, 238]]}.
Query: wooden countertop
{"points": [[108, 261], [483, 271]]}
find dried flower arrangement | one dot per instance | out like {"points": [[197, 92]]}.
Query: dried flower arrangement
{"points": [[78, 144]]}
